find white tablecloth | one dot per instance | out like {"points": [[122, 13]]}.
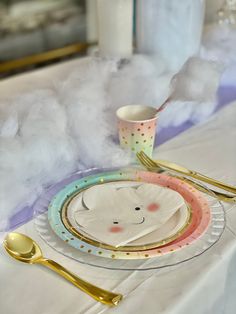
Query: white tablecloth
{"points": [[207, 284]]}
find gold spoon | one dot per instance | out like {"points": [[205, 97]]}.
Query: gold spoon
{"points": [[24, 249]]}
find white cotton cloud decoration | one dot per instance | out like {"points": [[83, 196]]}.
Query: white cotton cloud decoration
{"points": [[117, 216], [194, 96], [198, 80], [46, 134]]}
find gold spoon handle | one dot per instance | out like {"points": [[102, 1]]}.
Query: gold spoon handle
{"points": [[103, 296]]}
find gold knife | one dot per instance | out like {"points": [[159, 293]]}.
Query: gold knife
{"points": [[147, 161], [195, 175]]}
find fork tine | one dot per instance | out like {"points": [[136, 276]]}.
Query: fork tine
{"points": [[144, 161], [146, 164], [148, 159], [139, 158]]}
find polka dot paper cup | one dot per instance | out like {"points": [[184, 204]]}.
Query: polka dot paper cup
{"points": [[137, 128]]}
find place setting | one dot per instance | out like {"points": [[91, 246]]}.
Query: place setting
{"points": [[102, 200], [144, 216], [148, 215], [129, 214]]}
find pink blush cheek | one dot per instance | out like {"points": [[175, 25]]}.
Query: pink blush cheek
{"points": [[115, 229], [153, 207]]}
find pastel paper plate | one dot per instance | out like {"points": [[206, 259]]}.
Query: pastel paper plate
{"points": [[75, 208], [200, 215]]}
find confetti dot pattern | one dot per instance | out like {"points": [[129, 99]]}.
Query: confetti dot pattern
{"points": [[135, 136]]}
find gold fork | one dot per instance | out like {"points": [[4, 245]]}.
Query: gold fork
{"points": [[190, 173], [155, 167]]}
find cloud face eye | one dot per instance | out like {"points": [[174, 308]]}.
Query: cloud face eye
{"points": [[115, 222], [137, 208]]}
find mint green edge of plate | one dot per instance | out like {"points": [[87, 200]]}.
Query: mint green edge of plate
{"points": [[55, 206]]}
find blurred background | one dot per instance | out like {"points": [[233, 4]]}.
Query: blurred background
{"points": [[33, 27], [35, 33]]}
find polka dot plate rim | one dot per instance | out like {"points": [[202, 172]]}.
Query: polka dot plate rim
{"points": [[141, 175]]}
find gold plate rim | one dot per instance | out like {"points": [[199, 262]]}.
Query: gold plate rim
{"points": [[135, 248]]}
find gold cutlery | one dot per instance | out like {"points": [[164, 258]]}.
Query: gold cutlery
{"points": [[24, 249], [219, 195], [152, 165], [190, 173]]}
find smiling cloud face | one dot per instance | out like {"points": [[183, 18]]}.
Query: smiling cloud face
{"points": [[117, 216]]}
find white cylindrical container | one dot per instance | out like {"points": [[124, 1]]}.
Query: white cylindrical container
{"points": [[115, 28], [91, 21], [170, 28]]}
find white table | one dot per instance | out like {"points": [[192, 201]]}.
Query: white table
{"points": [[205, 285]]}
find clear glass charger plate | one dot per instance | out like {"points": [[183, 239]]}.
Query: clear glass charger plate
{"points": [[212, 234]]}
